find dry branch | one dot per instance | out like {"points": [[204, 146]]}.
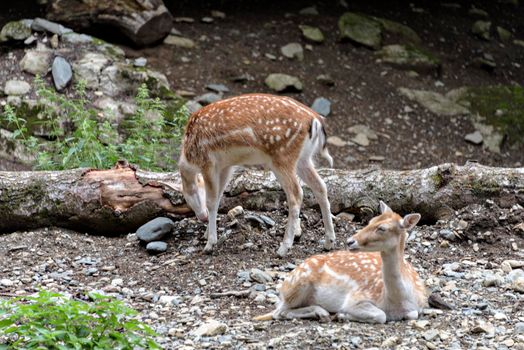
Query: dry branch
{"points": [[119, 200]]}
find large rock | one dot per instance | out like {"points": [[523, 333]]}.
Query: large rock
{"points": [[16, 30], [89, 67], [36, 62], [62, 73], [155, 229], [282, 82], [443, 105], [409, 57], [360, 29], [120, 78], [293, 50], [16, 87]]}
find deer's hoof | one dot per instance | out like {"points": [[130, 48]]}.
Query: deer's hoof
{"points": [[282, 251]]}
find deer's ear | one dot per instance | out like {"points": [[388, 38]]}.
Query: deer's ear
{"points": [[409, 221], [384, 208]]}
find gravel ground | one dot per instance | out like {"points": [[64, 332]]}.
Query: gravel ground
{"points": [[176, 292]]}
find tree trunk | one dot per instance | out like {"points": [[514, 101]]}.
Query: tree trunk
{"points": [[143, 21], [121, 199]]}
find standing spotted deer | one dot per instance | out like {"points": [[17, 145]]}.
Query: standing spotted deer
{"points": [[370, 283], [254, 129]]}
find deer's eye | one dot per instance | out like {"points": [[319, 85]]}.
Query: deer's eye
{"points": [[381, 229]]}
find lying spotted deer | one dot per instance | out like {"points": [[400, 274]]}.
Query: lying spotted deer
{"points": [[254, 129], [370, 283]]}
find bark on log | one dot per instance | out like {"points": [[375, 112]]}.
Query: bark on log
{"points": [[143, 21], [119, 200]]}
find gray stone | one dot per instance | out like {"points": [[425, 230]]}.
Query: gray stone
{"points": [[140, 62], [217, 88], [515, 275], [360, 29], [15, 30], [192, 106], [267, 220], [482, 29], [326, 79], [408, 57], [336, 141], [363, 129], [155, 229], [62, 73], [322, 106], [89, 67], [41, 25], [36, 62], [5, 282], [474, 137], [211, 328], [293, 50], [443, 105], [16, 87], [156, 247], [208, 98], [207, 19], [282, 82], [504, 34], [476, 12], [179, 41], [399, 30], [310, 11], [519, 327], [360, 139], [260, 276], [448, 234], [30, 40], [312, 33], [76, 38]]}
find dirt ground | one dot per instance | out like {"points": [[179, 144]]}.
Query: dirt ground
{"points": [[173, 290]]}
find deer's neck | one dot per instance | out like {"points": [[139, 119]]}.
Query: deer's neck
{"points": [[398, 289]]}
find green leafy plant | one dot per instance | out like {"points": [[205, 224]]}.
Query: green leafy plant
{"points": [[80, 137], [53, 321]]}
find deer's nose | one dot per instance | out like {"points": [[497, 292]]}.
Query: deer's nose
{"points": [[352, 244]]}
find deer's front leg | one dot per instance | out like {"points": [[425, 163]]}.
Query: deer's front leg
{"points": [[212, 196]]}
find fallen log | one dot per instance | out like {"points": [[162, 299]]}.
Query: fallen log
{"points": [[119, 200], [144, 22]]}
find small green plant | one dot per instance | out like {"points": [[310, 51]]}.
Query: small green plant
{"points": [[54, 321], [79, 137]]}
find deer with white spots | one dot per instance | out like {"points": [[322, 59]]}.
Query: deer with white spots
{"points": [[370, 283], [254, 129]]}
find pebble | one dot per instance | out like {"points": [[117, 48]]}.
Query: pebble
{"points": [[155, 229], [236, 211], [474, 138], [390, 342], [430, 334], [447, 234], [260, 276], [211, 328], [282, 82], [16, 87], [156, 247], [40, 25], [360, 139], [179, 41], [519, 327], [217, 88], [312, 33], [208, 98], [326, 79], [336, 141], [5, 282], [293, 50], [322, 106], [61, 72], [140, 62]]}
